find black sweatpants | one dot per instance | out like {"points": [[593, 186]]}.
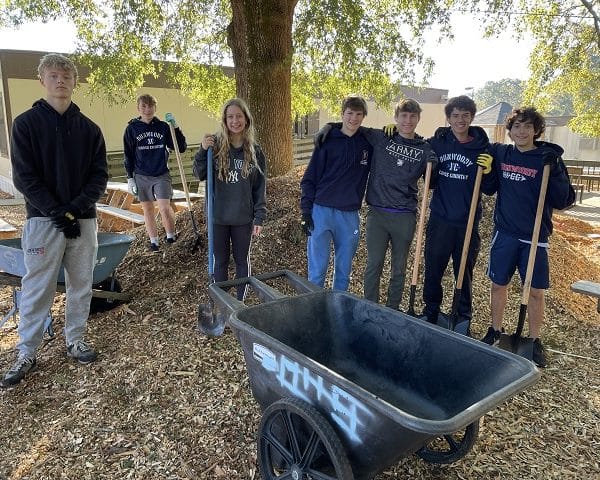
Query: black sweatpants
{"points": [[445, 241], [228, 238]]}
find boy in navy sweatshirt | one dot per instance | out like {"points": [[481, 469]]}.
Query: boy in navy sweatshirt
{"points": [[146, 144], [461, 149], [333, 187], [518, 176]]}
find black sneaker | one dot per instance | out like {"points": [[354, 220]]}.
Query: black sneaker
{"points": [[17, 372], [81, 352], [154, 248], [492, 337], [539, 355], [171, 240]]}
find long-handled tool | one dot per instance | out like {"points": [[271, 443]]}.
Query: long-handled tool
{"points": [[451, 321], [210, 321], [420, 228], [523, 346], [185, 188]]}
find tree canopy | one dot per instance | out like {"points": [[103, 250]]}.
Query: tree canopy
{"points": [[565, 63], [508, 90], [329, 48]]}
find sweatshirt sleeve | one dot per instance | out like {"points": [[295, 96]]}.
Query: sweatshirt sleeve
{"points": [[26, 176], [259, 187], [200, 162], [560, 191], [181, 142], [310, 180], [95, 184], [489, 181], [129, 152]]}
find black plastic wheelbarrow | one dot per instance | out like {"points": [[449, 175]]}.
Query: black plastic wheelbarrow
{"points": [[349, 387]]}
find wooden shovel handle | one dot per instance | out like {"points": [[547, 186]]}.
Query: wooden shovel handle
{"points": [[418, 246], [536, 233], [469, 229], [180, 166]]}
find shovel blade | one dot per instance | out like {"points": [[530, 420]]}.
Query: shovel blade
{"points": [[522, 346], [210, 323]]}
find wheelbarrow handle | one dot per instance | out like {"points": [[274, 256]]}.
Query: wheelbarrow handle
{"points": [[227, 304]]}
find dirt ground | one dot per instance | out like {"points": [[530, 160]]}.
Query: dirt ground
{"points": [[164, 402]]}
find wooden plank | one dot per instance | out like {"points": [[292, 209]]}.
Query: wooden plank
{"points": [[588, 288], [7, 230]]}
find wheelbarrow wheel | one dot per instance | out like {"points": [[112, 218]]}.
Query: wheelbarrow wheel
{"points": [[450, 448], [295, 441]]}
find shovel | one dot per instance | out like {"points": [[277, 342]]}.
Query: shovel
{"points": [[210, 321], [185, 188], [514, 343], [415, 271], [450, 321]]}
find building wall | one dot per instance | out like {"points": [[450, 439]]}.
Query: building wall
{"points": [[112, 120]]}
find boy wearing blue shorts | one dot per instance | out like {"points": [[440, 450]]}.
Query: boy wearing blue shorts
{"points": [[517, 171]]}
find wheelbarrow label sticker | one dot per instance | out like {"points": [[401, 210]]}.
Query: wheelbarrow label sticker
{"points": [[344, 409], [100, 261]]}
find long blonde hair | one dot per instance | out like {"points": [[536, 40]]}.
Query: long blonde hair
{"points": [[224, 142]]}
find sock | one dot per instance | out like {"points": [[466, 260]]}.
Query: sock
{"points": [[154, 240], [170, 235]]}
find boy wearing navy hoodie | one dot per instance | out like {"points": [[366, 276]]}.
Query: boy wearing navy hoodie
{"points": [[517, 172], [461, 149], [333, 187], [146, 144]]}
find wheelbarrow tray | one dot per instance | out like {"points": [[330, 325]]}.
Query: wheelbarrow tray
{"points": [[112, 248], [387, 382]]}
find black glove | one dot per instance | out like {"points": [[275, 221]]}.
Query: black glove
{"points": [[550, 158], [65, 221], [307, 224]]}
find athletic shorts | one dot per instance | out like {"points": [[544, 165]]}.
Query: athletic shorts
{"points": [[509, 253], [153, 188]]}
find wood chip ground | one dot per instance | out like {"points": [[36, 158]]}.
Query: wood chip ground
{"points": [[164, 402]]}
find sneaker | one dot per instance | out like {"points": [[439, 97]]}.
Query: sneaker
{"points": [[492, 337], [539, 355], [21, 367], [171, 240], [154, 248], [81, 352]]}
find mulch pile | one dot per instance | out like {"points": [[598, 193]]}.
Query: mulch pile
{"points": [[164, 402]]}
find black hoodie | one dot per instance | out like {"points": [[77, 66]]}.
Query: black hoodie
{"points": [[58, 160]]}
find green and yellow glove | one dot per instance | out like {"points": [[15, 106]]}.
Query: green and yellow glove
{"points": [[484, 160], [390, 129]]}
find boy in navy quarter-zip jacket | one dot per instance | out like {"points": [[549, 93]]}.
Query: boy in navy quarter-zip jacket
{"points": [[333, 187], [517, 173]]}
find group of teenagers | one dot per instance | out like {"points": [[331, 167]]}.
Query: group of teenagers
{"points": [[58, 158], [351, 163]]}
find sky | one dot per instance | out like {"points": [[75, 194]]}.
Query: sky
{"points": [[467, 61]]}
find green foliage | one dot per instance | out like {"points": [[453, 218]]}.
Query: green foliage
{"points": [[564, 64], [509, 90]]}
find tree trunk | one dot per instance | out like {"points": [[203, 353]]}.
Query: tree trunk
{"points": [[263, 74]]}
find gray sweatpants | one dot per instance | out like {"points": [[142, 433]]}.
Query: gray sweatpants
{"points": [[44, 250]]}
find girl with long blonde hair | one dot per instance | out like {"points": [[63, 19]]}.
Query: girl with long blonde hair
{"points": [[239, 206]]}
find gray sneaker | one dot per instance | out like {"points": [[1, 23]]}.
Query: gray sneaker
{"points": [[81, 352], [17, 372]]}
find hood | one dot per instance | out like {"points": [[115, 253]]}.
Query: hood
{"points": [[557, 149], [480, 138], [42, 103]]}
